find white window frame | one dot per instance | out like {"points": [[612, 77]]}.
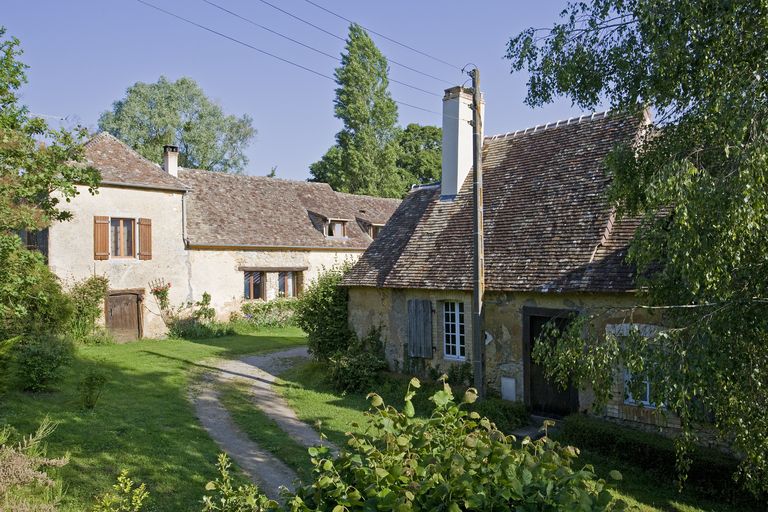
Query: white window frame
{"points": [[453, 337], [647, 331], [289, 284], [329, 228], [629, 399]]}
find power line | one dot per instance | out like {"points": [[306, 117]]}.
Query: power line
{"points": [[250, 46], [404, 66], [309, 47], [437, 59]]}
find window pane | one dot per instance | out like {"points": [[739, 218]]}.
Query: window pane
{"points": [[247, 285], [115, 228], [128, 231]]}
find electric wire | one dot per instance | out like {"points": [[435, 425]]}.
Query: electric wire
{"points": [[309, 47], [400, 64], [437, 59], [247, 45]]}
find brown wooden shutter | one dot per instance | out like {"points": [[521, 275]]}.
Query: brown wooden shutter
{"points": [[100, 238], [299, 283], [420, 328], [145, 239]]}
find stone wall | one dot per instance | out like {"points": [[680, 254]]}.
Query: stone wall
{"points": [[387, 308]]}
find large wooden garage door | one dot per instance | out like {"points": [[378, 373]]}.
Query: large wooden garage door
{"points": [[124, 316]]}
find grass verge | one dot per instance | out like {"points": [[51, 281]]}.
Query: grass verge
{"points": [[143, 422]]}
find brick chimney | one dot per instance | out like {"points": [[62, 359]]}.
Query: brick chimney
{"points": [[171, 160], [457, 140]]}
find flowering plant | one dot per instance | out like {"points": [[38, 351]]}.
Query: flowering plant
{"points": [[159, 289]]}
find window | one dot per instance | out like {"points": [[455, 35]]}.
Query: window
{"points": [[286, 284], [35, 241], [645, 394], [253, 285], [453, 330], [375, 230], [122, 237], [337, 229]]}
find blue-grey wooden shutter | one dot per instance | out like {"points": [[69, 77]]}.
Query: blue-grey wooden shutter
{"points": [[420, 328]]}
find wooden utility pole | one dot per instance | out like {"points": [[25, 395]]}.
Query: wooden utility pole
{"points": [[478, 289]]}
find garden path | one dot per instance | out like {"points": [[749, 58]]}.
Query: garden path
{"points": [[260, 373]]}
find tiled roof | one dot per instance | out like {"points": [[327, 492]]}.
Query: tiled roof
{"points": [[256, 211], [120, 165], [547, 223]]}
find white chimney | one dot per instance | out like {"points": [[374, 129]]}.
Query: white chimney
{"points": [[171, 160], [457, 139]]}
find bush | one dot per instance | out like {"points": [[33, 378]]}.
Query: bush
{"points": [[455, 460], [126, 497], [203, 310], [40, 361], [91, 386], [710, 471], [193, 329], [87, 299], [322, 313], [507, 416], [274, 313], [356, 368], [228, 498]]}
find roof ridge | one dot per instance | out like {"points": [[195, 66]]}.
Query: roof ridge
{"points": [[350, 194], [104, 133], [256, 177], [594, 116]]}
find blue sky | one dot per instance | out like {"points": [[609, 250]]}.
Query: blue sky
{"points": [[83, 54]]}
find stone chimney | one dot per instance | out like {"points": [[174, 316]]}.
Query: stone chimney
{"points": [[171, 160], [457, 140]]}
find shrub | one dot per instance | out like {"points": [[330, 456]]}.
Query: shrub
{"points": [[356, 368], [455, 460], [32, 299], [322, 313], [91, 386], [203, 310], [274, 313], [228, 498], [710, 471], [24, 484], [507, 416], [87, 298], [127, 496], [193, 329], [40, 361]]}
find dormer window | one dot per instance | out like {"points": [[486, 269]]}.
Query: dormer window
{"points": [[375, 229], [336, 228]]}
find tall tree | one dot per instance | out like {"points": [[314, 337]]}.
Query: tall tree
{"points": [[38, 169], [702, 67], [363, 161], [179, 113], [420, 153]]}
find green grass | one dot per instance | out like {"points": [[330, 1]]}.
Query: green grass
{"points": [[144, 421], [235, 396], [314, 400]]}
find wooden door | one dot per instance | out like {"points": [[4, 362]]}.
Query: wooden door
{"points": [[544, 396], [123, 316]]}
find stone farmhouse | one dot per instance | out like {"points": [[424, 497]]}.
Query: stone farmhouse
{"points": [[238, 238], [553, 249]]}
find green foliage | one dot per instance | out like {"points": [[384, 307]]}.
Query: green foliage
{"points": [[420, 154], [225, 497], [127, 497], [363, 161], [460, 374], [454, 460], [272, 313], [87, 300], [507, 416], [179, 113], [203, 310], [39, 361], [709, 472], [24, 483], [193, 329], [356, 368], [699, 185], [322, 313], [91, 386]]}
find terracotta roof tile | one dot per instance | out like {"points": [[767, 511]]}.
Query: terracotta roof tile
{"points": [[546, 219]]}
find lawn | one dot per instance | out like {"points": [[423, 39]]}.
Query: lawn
{"points": [[144, 421], [314, 401]]}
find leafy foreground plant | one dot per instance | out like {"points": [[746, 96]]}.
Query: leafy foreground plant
{"points": [[453, 461]]}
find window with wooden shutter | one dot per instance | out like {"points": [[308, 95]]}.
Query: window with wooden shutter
{"points": [[420, 328], [145, 239], [100, 238]]}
